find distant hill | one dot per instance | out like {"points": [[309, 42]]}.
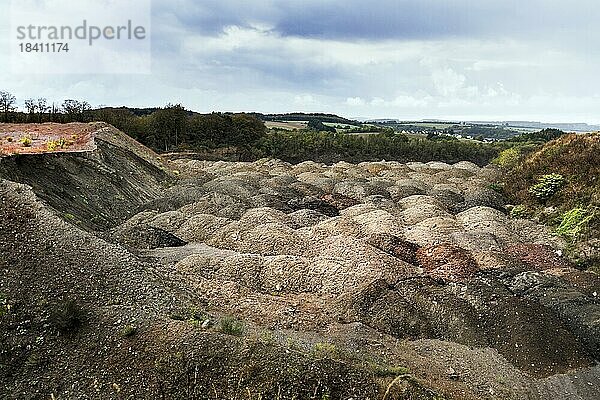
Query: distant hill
{"points": [[331, 118], [140, 112]]}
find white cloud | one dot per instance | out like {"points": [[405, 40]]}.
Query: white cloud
{"points": [[306, 100], [447, 82], [355, 101]]}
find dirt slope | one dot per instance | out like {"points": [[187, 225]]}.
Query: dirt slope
{"points": [[96, 188]]}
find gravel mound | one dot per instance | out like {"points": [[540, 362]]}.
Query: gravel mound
{"points": [[311, 253], [405, 251], [217, 204], [271, 238], [314, 204], [435, 230], [446, 262], [538, 257], [339, 201], [415, 214], [201, 227], [467, 165], [480, 196], [306, 218], [169, 221]]}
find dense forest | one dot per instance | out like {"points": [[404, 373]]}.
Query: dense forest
{"points": [[297, 146]]}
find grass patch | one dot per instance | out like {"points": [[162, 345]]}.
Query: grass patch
{"points": [[70, 217], [325, 350], [193, 315], [231, 326], [575, 222]]}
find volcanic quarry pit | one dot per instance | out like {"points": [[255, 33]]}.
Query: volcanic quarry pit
{"points": [[128, 276]]}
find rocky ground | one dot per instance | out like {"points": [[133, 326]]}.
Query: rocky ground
{"points": [[127, 277]]}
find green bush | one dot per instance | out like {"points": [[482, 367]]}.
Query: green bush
{"points": [[497, 187], [547, 186], [26, 142], [508, 158], [53, 145], [520, 211]]}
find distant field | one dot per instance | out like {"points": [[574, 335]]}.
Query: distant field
{"points": [[289, 125], [431, 125], [339, 126]]}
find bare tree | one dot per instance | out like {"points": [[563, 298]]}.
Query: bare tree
{"points": [[42, 106], [31, 106], [7, 104], [75, 109]]}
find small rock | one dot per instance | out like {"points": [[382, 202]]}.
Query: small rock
{"points": [[452, 374]]}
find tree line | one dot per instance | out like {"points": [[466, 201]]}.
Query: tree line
{"points": [[40, 110], [173, 128], [164, 129], [326, 147]]}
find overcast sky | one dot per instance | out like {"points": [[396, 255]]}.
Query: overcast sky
{"points": [[408, 59]]}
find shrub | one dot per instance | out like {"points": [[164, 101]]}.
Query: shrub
{"points": [[508, 158], [26, 142], [53, 145], [128, 331], [520, 211], [9, 139], [574, 222], [231, 326], [66, 316], [547, 186], [497, 187]]}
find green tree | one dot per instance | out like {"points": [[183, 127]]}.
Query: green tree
{"points": [[169, 126]]}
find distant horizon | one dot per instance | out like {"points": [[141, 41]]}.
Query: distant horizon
{"points": [[472, 119]]}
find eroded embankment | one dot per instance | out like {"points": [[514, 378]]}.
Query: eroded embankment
{"points": [[95, 188]]}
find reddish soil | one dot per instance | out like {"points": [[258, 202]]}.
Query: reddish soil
{"points": [[538, 257], [77, 137], [447, 262]]}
